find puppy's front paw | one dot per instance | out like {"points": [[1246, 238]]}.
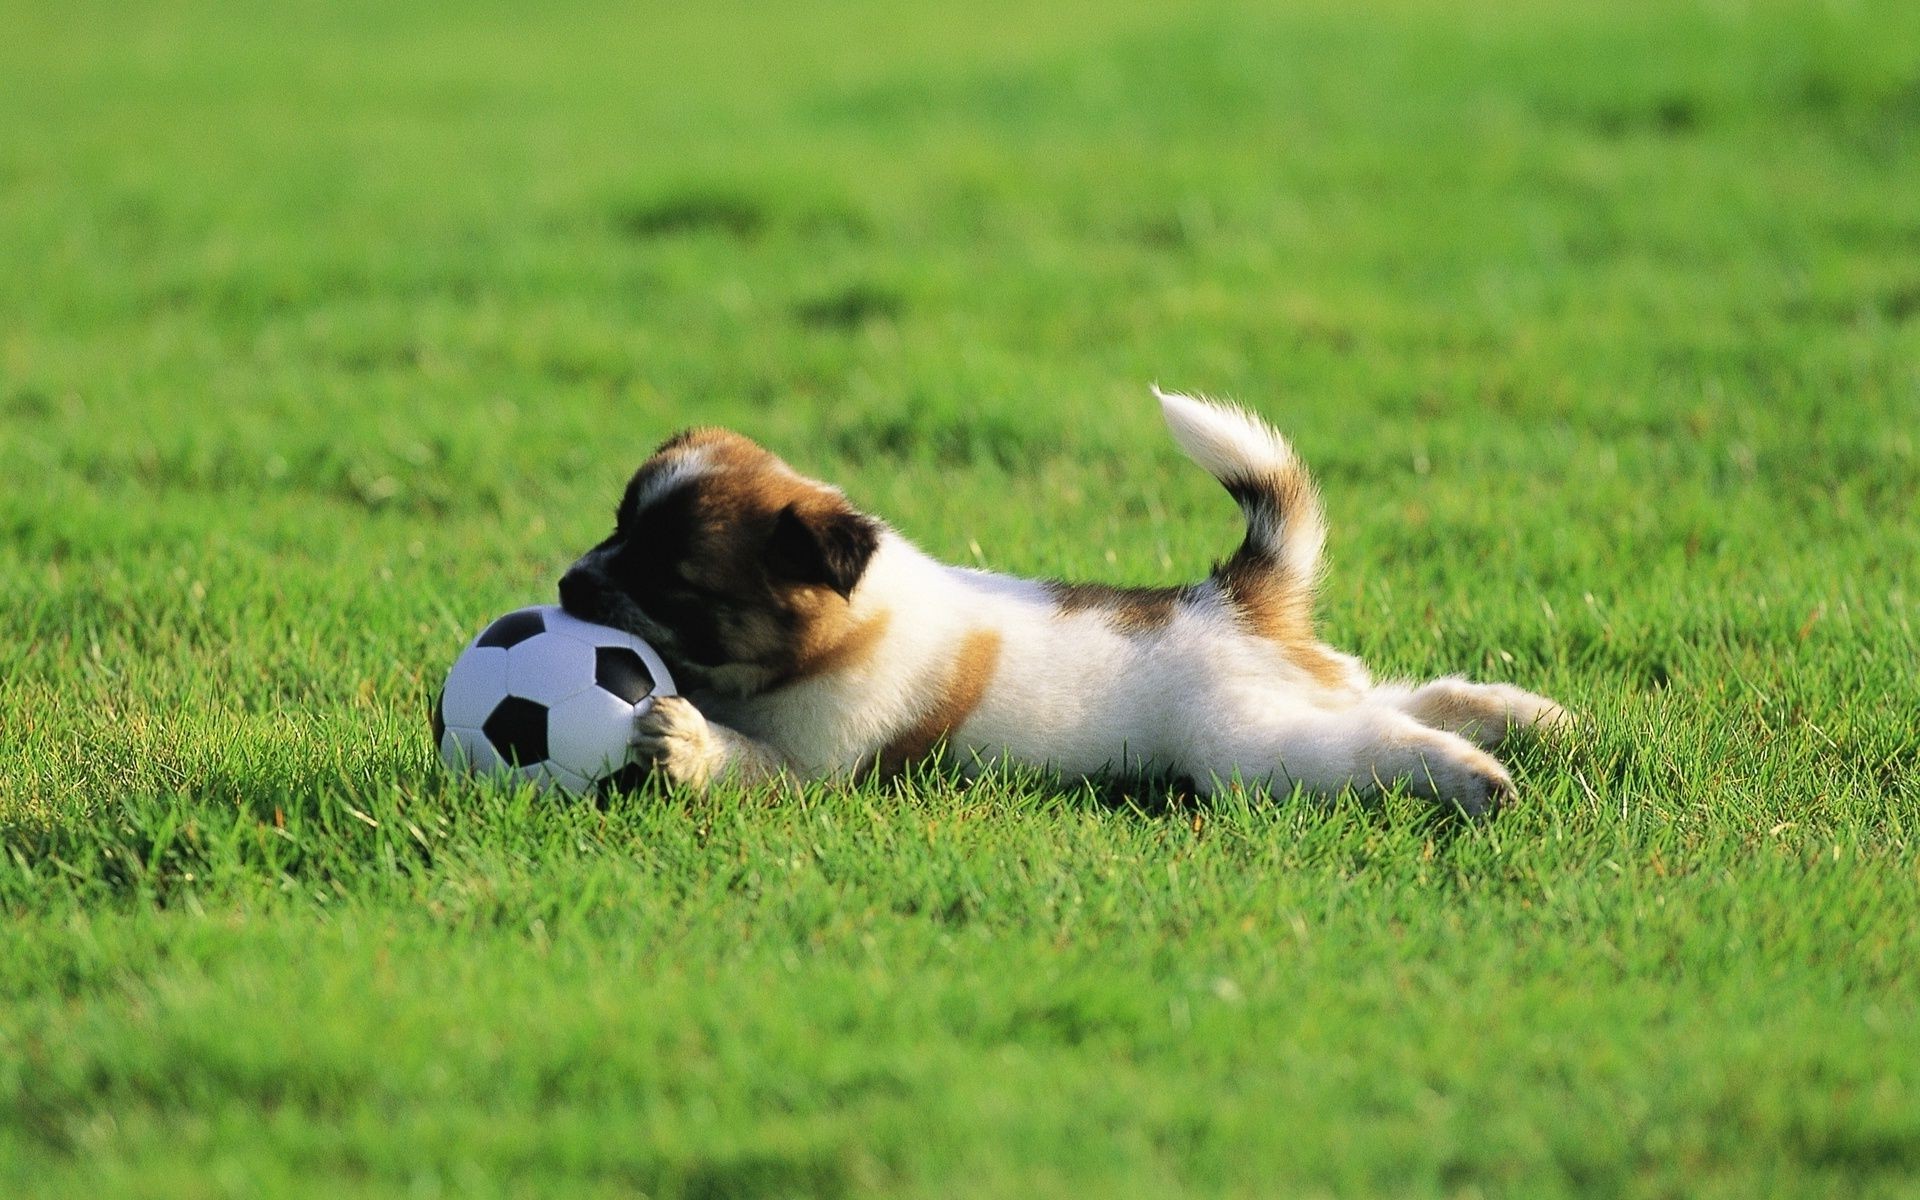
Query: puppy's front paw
{"points": [[675, 740]]}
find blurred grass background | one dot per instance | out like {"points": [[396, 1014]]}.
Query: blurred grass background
{"points": [[329, 331]]}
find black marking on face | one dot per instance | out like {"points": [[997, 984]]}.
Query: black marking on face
{"points": [[643, 478], [642, 563], [723, 558]]}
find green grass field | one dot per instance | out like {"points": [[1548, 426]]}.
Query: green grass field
{"points": [[329, 331]]}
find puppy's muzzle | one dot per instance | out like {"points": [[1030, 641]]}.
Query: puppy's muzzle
{"points": [[582, 593]]}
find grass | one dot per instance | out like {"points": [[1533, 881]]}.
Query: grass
{"points": [[328, 332]]}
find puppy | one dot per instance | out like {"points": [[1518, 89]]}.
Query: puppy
{"points": [[812, 640]]}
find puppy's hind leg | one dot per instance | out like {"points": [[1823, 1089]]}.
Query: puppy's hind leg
{"points": [[1367, 748], [1483, 713]]}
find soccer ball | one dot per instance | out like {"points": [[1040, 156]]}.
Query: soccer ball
{"points": [[546, 697]]}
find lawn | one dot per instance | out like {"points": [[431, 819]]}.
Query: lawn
{"points": [[327, 332]]}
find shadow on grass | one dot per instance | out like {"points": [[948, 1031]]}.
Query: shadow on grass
{"points": [[256, 832], [241, 832], [1157, 798]]}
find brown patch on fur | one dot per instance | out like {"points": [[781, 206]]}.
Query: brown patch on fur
{"points": [[828, 644], [1456, 709], [1274, 603], [777, 628], [966, 683], [1128, 609], [1281, 614], [782, 625], [1271, 601], [1320, 663], [699, 435]]}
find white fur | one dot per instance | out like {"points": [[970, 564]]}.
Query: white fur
{"points": [[684, 467], [1200, 696]]}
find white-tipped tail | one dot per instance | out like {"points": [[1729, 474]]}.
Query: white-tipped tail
{"points": [[1229, 442], [1280, 560]]}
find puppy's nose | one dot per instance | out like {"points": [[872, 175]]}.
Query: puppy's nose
{"points": [[577, 588]]}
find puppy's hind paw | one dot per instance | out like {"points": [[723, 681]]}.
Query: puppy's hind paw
{"points": [[1480, 793], [1462, 777]]}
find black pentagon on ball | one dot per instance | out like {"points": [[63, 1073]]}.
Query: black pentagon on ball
{"points": [[619, 670], [512, 629], [439, 717], [517, 727]]}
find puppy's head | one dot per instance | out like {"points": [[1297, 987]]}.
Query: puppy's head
{"points": [[736, 568]]}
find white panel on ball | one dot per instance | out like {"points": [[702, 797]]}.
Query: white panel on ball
{"points": [[469, 750], [551, 775], [560, 620], [589, 733], [474, 686], [549, 668]]}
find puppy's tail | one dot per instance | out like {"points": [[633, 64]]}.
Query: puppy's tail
{"points": [[1272, 576]]}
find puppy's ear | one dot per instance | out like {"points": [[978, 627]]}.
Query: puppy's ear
{"points": [[829, 549]]}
